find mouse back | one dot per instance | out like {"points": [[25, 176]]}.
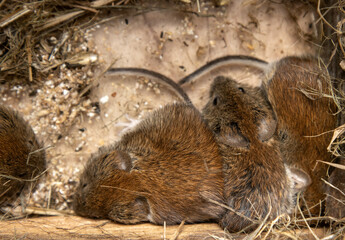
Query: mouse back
{"points": [[165, 169], [299, 91]]}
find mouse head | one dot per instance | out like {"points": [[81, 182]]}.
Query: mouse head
{"points": [[95, 194], [238, 113]]}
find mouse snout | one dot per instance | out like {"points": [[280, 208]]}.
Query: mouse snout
{"points": [[78, 204]]}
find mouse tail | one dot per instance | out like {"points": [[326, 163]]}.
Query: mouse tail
{"points": [[155, 75], [226, 60]]}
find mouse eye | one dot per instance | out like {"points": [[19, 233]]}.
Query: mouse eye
{"points": [[84, 185], [215, 101], [283, 135], [241, 89], [105, 156], [217, 129], [234, 125]]}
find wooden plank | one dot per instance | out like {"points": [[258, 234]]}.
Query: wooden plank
{"points": [[73, 227]]}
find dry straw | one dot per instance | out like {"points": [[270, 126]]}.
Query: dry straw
{"points": [[25, 25]]}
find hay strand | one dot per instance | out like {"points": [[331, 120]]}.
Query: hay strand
{"points": [[14, 16]]}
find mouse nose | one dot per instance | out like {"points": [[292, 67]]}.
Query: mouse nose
{"points": [[78, 203]]}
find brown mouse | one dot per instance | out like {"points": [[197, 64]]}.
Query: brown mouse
{"points": [[305, 118], [167, 169], [257, 182], [305, 122], [22, 159]]}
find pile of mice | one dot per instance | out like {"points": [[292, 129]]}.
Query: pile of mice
{"points": [[244, 161]]}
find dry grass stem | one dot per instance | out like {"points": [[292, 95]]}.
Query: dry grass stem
{"points": [[99, 3], [333, 164], [29, 53], [47, 212], [334, 146], [126, 190], [60, 19], [323, 18], [14, 16], [178, 231], [58, 45], [340, 35], [307, 224], [165, 230], [326, 182], [231, 209], [24, 180]]}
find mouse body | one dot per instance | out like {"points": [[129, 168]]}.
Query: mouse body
{"points": [[306, 119], [167, 169], [258, 184], [22, 159], [298, 89]]}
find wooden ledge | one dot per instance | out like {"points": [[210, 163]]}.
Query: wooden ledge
{"points": [[73, 227]]}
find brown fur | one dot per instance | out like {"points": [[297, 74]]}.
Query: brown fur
{"points": [[166, 169], [257, 182], [17, 141], [303, 123]]}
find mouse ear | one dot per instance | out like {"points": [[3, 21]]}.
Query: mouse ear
{"points": [[267, 128], [116, 159], [124, 160], [300, 179]]}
